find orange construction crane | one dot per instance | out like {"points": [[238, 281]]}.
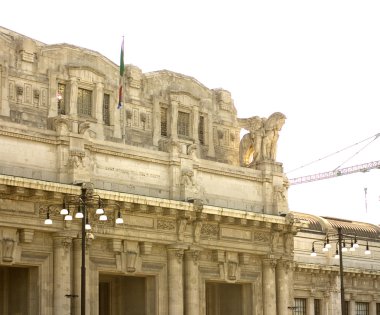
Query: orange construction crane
{"points": [[337, 172]]}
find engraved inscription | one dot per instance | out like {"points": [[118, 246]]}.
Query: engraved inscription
{"points": [[235, 233], [139, 221]]}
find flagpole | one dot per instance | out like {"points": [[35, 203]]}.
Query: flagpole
{"points": [[121, 87]]}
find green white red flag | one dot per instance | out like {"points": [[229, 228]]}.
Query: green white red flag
{"points": [[120, 103]]}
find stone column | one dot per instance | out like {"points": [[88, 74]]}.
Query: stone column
{"points": [[283, 288], [210, 134], [62, 275], [372, 308], [73, 97], [269, 286], [53, 89], [174, 120], [195, 124], [175, 279], [192, 282], [98, 108], [352, 307], [309, 306], [156, 117]]}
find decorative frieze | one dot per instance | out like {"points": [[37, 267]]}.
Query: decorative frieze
{"points": [[210, 230], [166, 225]]}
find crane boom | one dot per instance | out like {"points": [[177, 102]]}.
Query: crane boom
{"points": [[339, 172]]}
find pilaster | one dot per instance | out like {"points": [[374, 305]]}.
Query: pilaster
{"points": [[269, 286], [62, 275], [192, 282], [175, 279]]}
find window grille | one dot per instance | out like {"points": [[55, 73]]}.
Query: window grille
{"points": [[362, 308], [183, 124], [106, 109], [164, 122], [299, 307], [61, 98], [201, 130], [84, 102], [317, 307]]}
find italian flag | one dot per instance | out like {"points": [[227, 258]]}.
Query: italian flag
{"points": [[120, 104]]}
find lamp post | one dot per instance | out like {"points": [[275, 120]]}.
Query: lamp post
{"points": [[341, 244], [86, 198]]}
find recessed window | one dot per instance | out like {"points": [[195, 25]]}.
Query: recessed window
{"points": [[201, 130], [164, 121], [299, 307], [317, 307], [362, 308], [106, 109], [183, 124], [84, 102]]}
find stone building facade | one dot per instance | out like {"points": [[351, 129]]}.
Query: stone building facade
{"points": [[205, 226]]}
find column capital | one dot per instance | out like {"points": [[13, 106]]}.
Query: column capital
{"points": [[270, 262]]}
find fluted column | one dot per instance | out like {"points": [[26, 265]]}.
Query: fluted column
{"points": [[62, 276], [192, 282], [283, 288], [175, 280], [269, 286]]}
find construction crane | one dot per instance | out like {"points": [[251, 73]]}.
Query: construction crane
{"points": [[338, 171], [335, 173]]}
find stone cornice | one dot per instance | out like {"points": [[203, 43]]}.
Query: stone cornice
{"points": [[314, 268], [239, 217], [42, 138]]}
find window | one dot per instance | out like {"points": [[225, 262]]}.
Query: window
{"points": [[377, 308], [183, 125], [317, 307], [164, 122], [61, 98], [362, 308], [299, 307], [347, 305], [106, 109], [84, 102], [201, 130]]}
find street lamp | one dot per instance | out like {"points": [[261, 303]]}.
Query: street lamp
{"points": [[83, 203], [340, 249]]}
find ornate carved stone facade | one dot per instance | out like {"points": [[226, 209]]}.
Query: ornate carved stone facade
{"points": [[206, 226]]}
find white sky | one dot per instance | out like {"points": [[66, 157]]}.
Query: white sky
{"points": [[318, 62]]}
